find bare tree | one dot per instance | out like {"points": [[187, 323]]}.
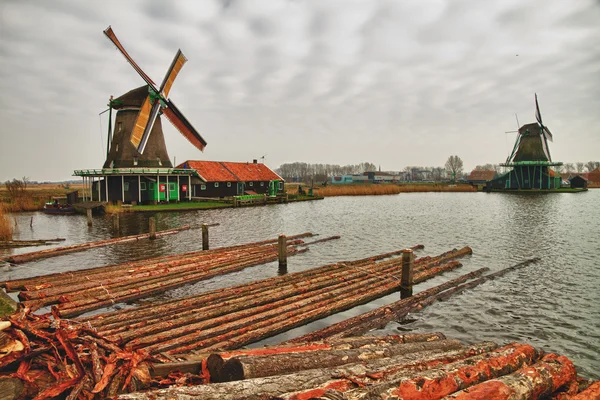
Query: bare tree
{"points": [[580, 166], [592, 165], [568, 167], [454, 167]]}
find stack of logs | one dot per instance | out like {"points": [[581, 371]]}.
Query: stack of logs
{"points": [[59, 358], [229, 319], [77, 292], [425, 366]]}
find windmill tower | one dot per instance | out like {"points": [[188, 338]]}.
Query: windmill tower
{"points": [[530, 159], [138, 140]]}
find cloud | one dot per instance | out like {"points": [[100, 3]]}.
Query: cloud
{"points": [[331, 82]]}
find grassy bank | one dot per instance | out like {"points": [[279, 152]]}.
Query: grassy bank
{"points": [[362, 189], [6, 228], [34, 196]]}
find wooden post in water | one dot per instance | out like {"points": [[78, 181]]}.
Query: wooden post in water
{"points": [[204, 237], [89, 216], [282, 251], [406, 281], [152, 228], [115, 221]]}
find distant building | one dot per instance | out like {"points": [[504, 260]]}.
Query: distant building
{"points": [[594, 176], [578, 181], [480, 177]]}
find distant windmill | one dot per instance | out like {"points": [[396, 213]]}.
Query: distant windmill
{"points": [[138, 138], [530, 158]]}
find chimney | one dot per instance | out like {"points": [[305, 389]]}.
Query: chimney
{"points": [[254, 161]]}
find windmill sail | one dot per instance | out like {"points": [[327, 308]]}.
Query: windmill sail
{"points": [[184, 126]]}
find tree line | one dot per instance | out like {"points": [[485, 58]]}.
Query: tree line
{"points": [[306, 172]]}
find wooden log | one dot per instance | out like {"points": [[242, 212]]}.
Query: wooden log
{"points": [[205, 245], [74, 308], [128, 277], [406, 289], [532, 382], [152, 228], [206, 298], [115, 222], [592, 392], [241, 367], [446, 379], [306, 380], [282, 251], [231, 310], [194, 332], [327, 239], [301, 314], [379, 316], [59, 277], [354, 342], [56, 251]]}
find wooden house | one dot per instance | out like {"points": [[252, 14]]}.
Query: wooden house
{"points": [[480, 177], [577, 182], [226, 178]]}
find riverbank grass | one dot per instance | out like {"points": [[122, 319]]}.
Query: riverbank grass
{"points": [[366, 189], [6, 228]]}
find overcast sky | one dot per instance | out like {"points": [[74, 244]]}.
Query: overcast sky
{"points": [[395, 83]]}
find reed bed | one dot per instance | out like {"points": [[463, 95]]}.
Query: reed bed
{"points": [[6, 229], [387, 189]]}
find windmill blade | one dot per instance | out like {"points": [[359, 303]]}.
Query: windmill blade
{"points": [[113, 38], [152, 118], [141, 122], [547, 133], [538, 115], [183, 125], [546, 148], [172, 72]]}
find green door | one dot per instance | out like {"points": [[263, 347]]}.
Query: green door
{"points": [[173, 191]]}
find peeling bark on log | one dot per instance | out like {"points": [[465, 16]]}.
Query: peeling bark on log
{"points": [[447, 379], [309, 379], [278, 364], [339, 344], [591, 393], [531, 382], [57, 251], [61, 277]]}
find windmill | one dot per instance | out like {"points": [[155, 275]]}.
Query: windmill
{"points": [[138, 138], [530, 158]]}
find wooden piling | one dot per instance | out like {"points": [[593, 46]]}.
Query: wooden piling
{"points": [[406, 280], [89, 216], [282, 251], [205, 237], [152, 228], [115, 222]]}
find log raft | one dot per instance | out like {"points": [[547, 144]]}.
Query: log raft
{"points": [[228, 319]]}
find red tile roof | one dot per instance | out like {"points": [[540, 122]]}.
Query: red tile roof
{"points": [[481, 175], [211, 171], [225, 171]]}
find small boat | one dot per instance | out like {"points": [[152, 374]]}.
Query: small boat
{"points": [[57, 208]]}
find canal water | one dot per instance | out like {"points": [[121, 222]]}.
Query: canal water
{"points": [[553, 304]]}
